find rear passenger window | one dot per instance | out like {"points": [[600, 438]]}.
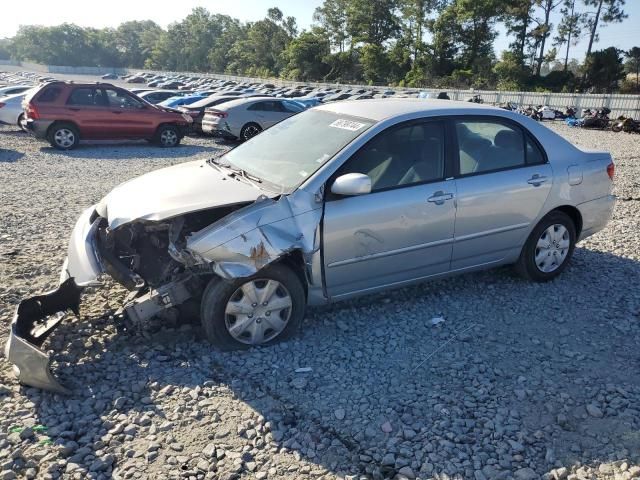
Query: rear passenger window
{"points": [[485, 146], [82, 96], [49, 94], [534, 154]]}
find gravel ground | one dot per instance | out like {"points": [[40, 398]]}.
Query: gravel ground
{"points": [[520, 381]]}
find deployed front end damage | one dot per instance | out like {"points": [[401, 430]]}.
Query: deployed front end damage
{"points": [[163, 261]]}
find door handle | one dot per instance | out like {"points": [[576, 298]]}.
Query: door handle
{"points": [[73, 109], [440, 197], [117, 112], [537, 180]]}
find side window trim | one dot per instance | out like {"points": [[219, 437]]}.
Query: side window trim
{"points": [[448, 159], [455, 154]]}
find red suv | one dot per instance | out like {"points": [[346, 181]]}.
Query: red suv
{"points": [[65, 113]]}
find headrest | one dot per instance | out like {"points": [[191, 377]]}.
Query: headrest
{"points": [[508, 139]]}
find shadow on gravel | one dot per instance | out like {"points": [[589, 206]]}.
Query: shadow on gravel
{"points": [[127, 150], [500, 386], [9, 156]]}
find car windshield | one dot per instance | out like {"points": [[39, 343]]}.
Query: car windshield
{"points": [[288, 153]]}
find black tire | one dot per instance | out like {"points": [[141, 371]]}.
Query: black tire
{"points": [[616, 127], [219, 292], [168, 136], [527, 266], [63, 136], [21, 123], [249, 131]]}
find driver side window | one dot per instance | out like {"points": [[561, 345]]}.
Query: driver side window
{"points": [[401, 156]]}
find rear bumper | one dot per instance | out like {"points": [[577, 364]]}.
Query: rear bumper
{"points": [[596, 214], [39, 128]]}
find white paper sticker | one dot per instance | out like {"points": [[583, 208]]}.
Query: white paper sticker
{"points": [[347, 125]]}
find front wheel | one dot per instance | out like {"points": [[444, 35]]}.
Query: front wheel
{"points": [[616, 127], [548, 249], [259, 310], [168, 136]]}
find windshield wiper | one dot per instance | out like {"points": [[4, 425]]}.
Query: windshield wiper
{"points": [[236, 171]]}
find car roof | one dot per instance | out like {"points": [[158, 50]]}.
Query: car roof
{"points": [[380, 109], [247, 100]]}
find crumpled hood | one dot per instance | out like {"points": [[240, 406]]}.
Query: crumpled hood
{"points": [[168, 192]]}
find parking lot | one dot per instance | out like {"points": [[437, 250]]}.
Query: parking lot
{"points": [[520, 380]]}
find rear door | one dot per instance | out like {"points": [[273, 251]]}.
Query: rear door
{"points": [[269, 112], [503, 179], [88, 108]]}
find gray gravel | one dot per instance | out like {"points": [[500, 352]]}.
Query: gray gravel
{"points": [[520, 381]]}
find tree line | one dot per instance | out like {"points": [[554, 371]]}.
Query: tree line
{"points": [[415, 43]]}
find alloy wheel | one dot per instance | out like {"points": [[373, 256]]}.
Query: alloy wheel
{"points": [[168, 138], [250, 132], [258, 311], [552, 248], [64, 138]]}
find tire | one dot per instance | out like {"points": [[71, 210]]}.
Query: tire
{"points": [[22, 123], [616, 127], [168, 136], [222, 297], [64, 136], [249, 131], [546, 263]]}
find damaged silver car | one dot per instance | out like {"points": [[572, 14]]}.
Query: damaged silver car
{"points": [[341, 200]]}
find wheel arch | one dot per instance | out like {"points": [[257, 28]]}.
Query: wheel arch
{"points": [[574, 214], [58, 122], [295, 261]]}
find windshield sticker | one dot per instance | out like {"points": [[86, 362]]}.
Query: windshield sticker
{"points": [[347, 125], [302, 173], [323, 158]]}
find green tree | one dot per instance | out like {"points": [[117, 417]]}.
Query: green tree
{"points": [[569, 29], [372, 21], [135, 40], [543, 30], [632, 64], [332, 17], [606, 11], [510, 72], [518, 15], [603, 70], [305, 56]]}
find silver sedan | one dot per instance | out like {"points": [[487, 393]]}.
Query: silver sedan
{"points": [[246, 117], [339, 201]]}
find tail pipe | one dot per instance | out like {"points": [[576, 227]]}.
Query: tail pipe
{"points": [[34, 320]]}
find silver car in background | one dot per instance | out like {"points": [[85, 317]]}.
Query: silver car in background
{"points": [[339, 201], [244, 118], [11, 111]]}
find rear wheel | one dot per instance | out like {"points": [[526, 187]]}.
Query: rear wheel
{"points": [[259, 310], [168, 136], [616, 127], [22, 123], [64, 136], [548, 249], [249, 131]]}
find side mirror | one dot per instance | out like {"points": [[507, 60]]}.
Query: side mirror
{"points": [[352, 184]]}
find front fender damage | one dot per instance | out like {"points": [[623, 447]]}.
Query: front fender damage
{"points": [[236, 246], [251, 238]]}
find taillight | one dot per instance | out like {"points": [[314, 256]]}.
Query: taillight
{"points": [[611, 170], [32, 111], [2, 104], [218, 113]]}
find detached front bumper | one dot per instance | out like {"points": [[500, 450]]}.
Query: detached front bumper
{"points": [[36, 317], [34, 320]]}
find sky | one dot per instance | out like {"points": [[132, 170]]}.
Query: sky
{"points": [[89, 13]]}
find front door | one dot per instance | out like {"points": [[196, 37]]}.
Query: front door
{"points": [[403, 229], [130, 118], [89, 109], [503, 182]]}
